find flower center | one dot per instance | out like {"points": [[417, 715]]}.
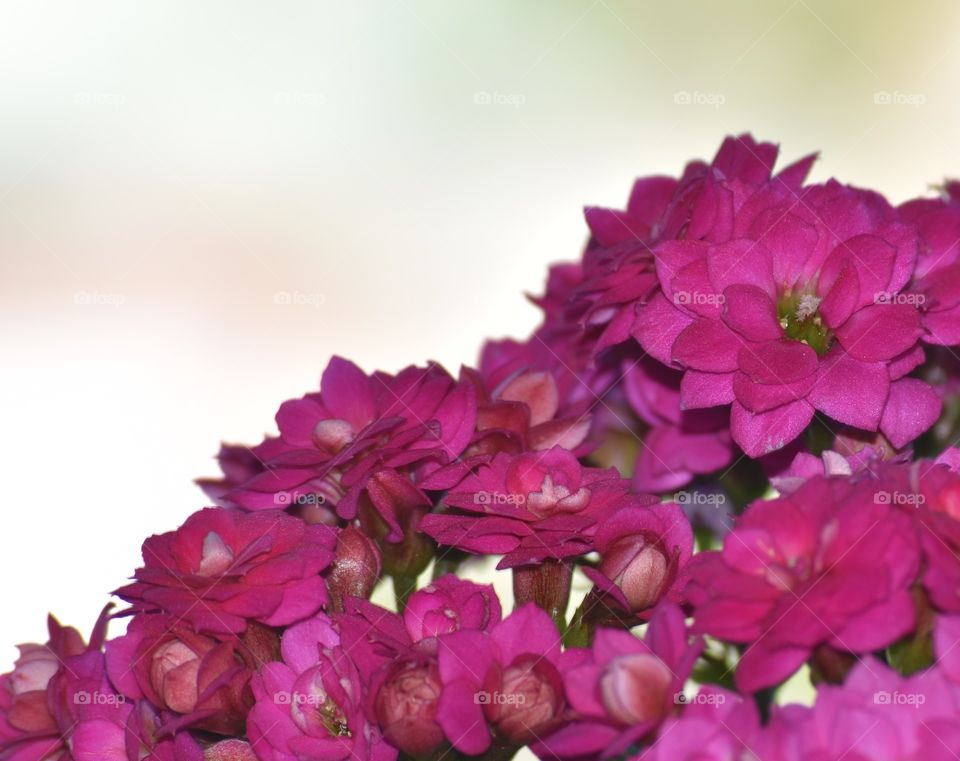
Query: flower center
{"points": [[799, 315]]}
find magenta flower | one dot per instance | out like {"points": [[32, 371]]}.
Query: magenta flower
{"points": [[800, 306], [374, 435], [623, 687], [714, 725], [202, 678], [502, 684], [405, 697], [830, 564], [529, 507], [644, 551], [311, 704], [224, 567]]}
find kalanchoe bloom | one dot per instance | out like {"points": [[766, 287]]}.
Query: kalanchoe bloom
{"points": [[714, 725], [224, 567], [801, 307], [502, 684], [643, 550], [204, 679], [373, 435], [876, 714], [680, 444], [376, 635], [623, 687], [831, 565], [28, 725], [311, 704], [529, 507], [406, 697]]}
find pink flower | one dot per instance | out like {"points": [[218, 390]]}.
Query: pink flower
{"points": [[406, 697], [643, 550], [201, 678], [829, 564], [623, 687], [503, 683], [311, 704], [364, 435], [224, 567], [716, 725], [529, 507], [800, 305]]}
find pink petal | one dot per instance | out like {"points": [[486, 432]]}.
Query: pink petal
{"points": [[761, 433], [880, 331], [657, 326], [842, 297], [707, 345], [912, 407], [699, 390], [750, 311], [347, 393], [850, 391], [741, 262], [777, 362]]}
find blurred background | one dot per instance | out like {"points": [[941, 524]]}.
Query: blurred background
{"points": [[201, 202]]}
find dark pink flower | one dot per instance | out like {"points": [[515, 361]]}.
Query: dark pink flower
{"points": [[374, 435], [529, 507], [829, 564], [644, 551], [311, 704], [623, 687], [202, 678], [406, 697], [714, 725], [799, 305], [225, 567], [503, 683]]}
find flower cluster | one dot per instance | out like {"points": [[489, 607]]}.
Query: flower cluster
{"points": [[723, 461]]}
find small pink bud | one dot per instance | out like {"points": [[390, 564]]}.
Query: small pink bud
{"points": [[406, 707], [529, 700], [638, 568], [356, 567], [635, 688], [230, 750]]}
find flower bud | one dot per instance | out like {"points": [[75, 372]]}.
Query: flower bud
{"points": [[638, 568], [528, 702], [406, 708], [356, 567], [635, 688], [230, 750]]}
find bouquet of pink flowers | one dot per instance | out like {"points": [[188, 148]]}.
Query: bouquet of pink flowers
{"points": [[734, 427]]}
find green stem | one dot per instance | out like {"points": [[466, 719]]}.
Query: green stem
{"points": [[403, 587]]}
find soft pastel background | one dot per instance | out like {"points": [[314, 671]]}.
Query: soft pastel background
{"points": [[201, 202]]}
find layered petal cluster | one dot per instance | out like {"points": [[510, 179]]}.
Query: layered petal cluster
{"points": [[310, 705], [804, 303], [362, 435], [223, 568], [528, 507], [623, 687], [830, 564]]}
